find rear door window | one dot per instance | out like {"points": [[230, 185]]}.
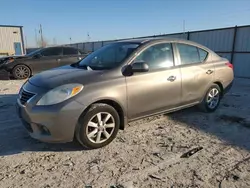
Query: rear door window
{"points": [[188, 54], [52, 52], [70, 51], [203, 54]]}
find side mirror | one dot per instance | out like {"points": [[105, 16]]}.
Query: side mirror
{"points": [[140, 67]]}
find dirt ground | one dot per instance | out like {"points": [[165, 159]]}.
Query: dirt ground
{"points": [[147, 154]]}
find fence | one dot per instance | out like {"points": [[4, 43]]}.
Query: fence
{"points": [[232, 43]]}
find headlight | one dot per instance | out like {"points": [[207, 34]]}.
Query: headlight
{"points": [[60, 94], [11, 60]]}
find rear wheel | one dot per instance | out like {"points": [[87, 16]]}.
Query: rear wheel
{"points": [[21, 72], [98, 126], [212, 99]]}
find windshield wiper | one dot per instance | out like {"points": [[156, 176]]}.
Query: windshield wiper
{"points": [[86, 67]]}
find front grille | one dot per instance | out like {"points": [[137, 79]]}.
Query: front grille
{"points": [[25, 96]]}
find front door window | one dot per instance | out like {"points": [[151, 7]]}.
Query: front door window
{"points": [[157, 57]]}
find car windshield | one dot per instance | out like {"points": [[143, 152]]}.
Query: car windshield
{"points": [[33, 52], [109, 56]]}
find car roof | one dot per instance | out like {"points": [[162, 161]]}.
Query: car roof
{"points": [[144, 40], [59, 47], [163, 39]]}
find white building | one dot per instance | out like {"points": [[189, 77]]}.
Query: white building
{"points": [[11, 40]]}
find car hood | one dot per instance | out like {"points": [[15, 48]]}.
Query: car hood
{"points": [[63, 75], [5, 58], [12, 56]]}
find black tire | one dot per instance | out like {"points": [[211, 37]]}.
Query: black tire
{"points": [[24, 74], [90, 115], [204, 105]]}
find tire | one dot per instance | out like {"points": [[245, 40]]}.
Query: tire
{"points": [[21, 72], [93, 135], [205, 105]]}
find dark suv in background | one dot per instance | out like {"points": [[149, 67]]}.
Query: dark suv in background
{"points": [[22, 67]]}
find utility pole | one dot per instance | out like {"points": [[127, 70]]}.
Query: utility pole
{"points": [[69, 40], [184, 30], [26, 45], [54, 40], [184, 27], [36, 38], [41, 32], [88, 37]]}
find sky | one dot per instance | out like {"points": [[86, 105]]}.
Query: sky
{"points": [[115, 19]]}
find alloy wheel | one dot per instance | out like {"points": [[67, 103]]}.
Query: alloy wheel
{"points": [[100, 127], [22, 72], [213, 98]]}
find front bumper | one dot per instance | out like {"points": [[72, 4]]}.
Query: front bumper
{"points": [[54, 123], [5, 75]]}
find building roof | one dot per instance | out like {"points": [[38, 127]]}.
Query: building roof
{"points": [[10, 26]]}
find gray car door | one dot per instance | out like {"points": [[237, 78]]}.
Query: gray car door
{"points": [[197, 72], [157, 90], [48, 59]]}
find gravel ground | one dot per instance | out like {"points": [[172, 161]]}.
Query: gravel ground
{"points": [[149, 153]]}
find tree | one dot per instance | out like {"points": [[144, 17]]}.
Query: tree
{"points": [[42, 43]]}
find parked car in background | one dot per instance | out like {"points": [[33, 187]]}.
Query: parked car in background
{"points": [[121, 82], [22, 67]]}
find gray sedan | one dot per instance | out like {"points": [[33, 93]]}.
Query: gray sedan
{"points": [[121, 82]]}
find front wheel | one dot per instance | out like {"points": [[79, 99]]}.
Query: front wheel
{"points": [[21, 72], [212, 99], [98, 126]]}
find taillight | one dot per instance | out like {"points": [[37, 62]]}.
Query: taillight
{"points": [[230, 65]]}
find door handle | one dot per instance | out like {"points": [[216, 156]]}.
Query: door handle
{"points": [[171, 78], [209, 72]]}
